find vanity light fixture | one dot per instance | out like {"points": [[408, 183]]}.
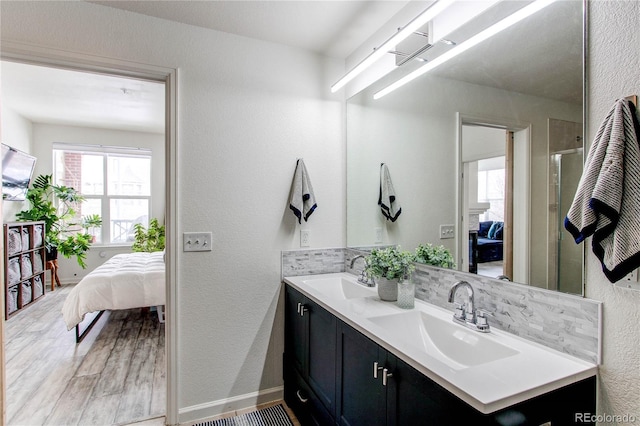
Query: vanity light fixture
{"points": [[507, 22], [404, 32]]}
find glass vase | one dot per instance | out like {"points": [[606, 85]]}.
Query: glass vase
{"points": [[406, 294]]}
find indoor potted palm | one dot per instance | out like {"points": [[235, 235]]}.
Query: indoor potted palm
{"points": [[388, 267], [56, 205], [149, 239]]}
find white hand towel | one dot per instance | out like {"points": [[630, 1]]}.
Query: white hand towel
{"points": [[387, 201], [607, 201], [303, 201]]}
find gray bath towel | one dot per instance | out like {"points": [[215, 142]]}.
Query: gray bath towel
{"points": [[607, 202], [387, 198], [303, 201]]}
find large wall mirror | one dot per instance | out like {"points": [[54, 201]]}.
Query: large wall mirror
{"points": [[493, 136]]}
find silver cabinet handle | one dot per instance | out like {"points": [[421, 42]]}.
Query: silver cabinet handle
{"points": [[302, 309], [376, 368], [385, 376], [300, 397]]}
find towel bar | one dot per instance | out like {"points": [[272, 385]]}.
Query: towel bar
{"points": [[634, 99]]}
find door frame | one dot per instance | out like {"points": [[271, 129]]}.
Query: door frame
{"points": [[522, 135], [37, 55]]}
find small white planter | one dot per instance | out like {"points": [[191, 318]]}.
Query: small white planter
{"points": [[387, 289]]}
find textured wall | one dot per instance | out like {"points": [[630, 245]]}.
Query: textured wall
{"points": [[614, 72], [246, 110]]}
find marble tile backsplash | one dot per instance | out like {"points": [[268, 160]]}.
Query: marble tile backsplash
{"points": [[564, 322], [567, 323], [312, 261]]}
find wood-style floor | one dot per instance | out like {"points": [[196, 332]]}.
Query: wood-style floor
{"points": [[115, 376]]}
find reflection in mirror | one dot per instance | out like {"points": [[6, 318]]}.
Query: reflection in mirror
{"points": [[493, 136]]}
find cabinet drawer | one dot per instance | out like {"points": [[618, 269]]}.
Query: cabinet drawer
{"points": [[304, 402]]}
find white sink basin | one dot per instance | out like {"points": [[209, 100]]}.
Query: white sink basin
{"points": [[340, 287], [451, 343]]}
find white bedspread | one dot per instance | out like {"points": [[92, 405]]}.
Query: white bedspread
{"points": [[126, 281]]}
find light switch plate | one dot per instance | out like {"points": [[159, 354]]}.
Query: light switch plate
{"points": [[447, 231], [196, 241]]}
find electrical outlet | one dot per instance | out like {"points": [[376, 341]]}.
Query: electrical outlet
{"points": [[378, 235], [196, 241], [304, 238], [447, 231]]}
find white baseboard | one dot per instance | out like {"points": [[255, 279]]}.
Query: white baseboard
{"points": [[204, 411]]}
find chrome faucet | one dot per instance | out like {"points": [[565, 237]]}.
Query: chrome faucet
{"points": [[466, 314], [363, 278]]}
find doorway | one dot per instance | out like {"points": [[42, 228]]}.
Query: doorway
{"points": [[493, 198], [566, 159], [136, 71]]}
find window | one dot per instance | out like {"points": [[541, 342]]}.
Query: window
{"points": [[115, 181], [491, 186]]}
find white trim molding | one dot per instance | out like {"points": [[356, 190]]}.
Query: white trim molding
{"points": [[202, 412]]}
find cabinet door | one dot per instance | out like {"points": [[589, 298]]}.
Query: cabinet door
{"points": [[321, 361], [296, 331], [414, 399], [310, 346], [361, 397]]}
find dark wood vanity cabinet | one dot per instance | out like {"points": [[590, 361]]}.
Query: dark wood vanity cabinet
{"points": [[309, 359], [377, 388], [362, 399], [329, 380]]}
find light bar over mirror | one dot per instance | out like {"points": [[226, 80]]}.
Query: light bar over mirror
{"points": [[462, 45], [390, 45]]}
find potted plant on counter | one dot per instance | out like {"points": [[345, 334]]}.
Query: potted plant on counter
{"points": [[439, 256], [56, 205], [388, 267]]}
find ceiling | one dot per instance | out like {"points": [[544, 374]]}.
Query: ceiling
{"points": [[329, 27], [59, 96], [47, 95]]}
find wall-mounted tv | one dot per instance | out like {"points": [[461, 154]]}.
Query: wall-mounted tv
{"points": [[17, 169]]}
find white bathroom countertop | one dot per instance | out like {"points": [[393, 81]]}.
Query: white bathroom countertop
{"points": [[530, 370]]}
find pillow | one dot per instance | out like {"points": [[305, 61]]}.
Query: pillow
{"points": [[499, 232], [483, 230], [492, 231]]}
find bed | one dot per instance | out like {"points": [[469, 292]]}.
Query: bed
{"points": [[126, 281]]}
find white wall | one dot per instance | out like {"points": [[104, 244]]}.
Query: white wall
{"points": [[44, 135], [246, 110], [614, 72], [17, 132]]}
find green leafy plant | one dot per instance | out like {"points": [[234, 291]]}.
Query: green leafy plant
{"points": [[57, 205], [149, 239], [390, 263], [434, 255]]}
